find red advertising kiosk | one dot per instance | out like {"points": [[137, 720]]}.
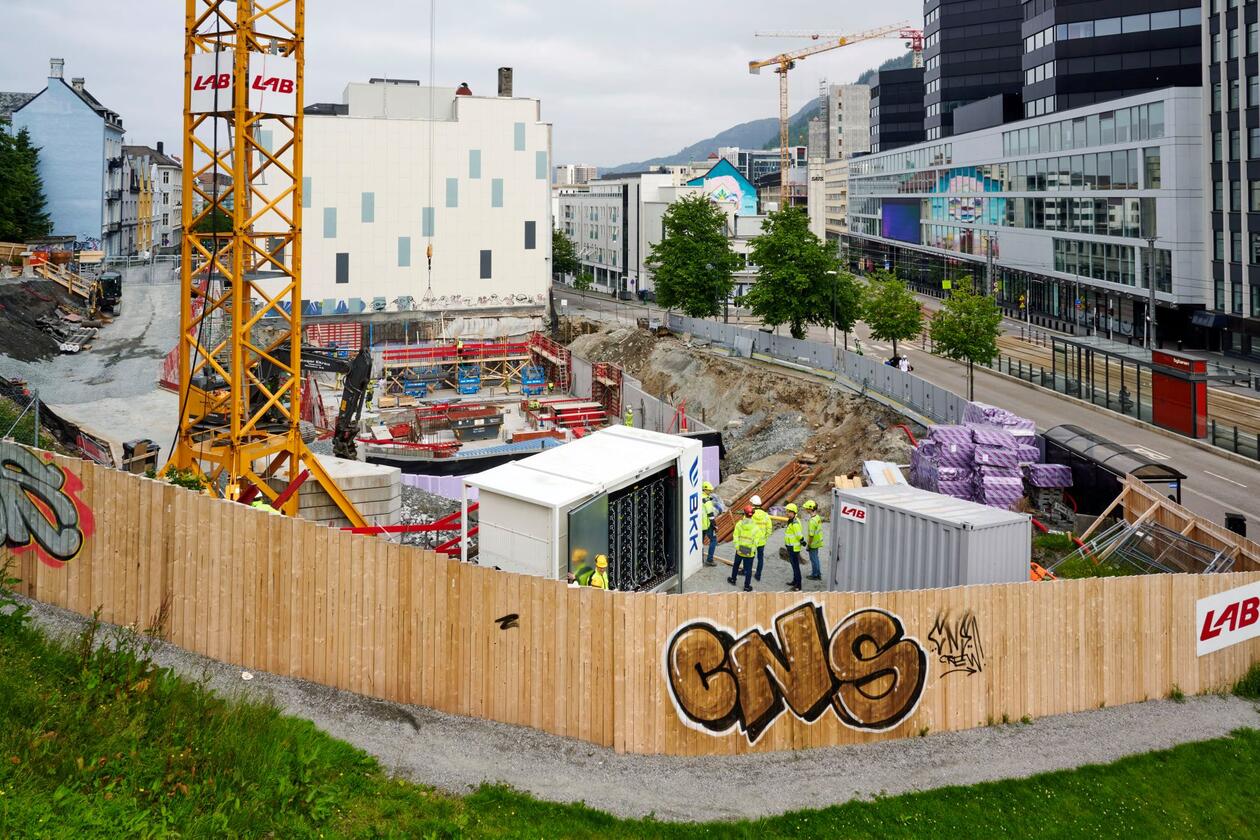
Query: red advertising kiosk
{"points": [[1179, 393]]}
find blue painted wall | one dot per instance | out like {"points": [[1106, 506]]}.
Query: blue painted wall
{"points": [[71, 141], [733, 179]]}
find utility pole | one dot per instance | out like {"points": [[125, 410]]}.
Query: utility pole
{"points": [[1150, 284]]}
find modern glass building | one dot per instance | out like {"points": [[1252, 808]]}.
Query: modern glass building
{"points": [[971, 51], [1060, 205], [1231, 43]]}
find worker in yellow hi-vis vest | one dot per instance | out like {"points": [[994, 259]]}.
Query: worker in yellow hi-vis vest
{"points": [[764, 525], [745, 538], [629, 416], [794, 538], [813, 538]]}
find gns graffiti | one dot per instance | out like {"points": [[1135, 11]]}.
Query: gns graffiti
{"points": [[40, 509], [867, 671]]}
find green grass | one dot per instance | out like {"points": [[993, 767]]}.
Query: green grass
{"points": [[1050, 548], [1249, 685], [103, 744], [24, 432]]}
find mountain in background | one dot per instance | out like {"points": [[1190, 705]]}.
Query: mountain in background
{"points": [[758, 134]]}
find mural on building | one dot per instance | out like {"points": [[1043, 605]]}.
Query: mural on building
{"points": [[725, 184], [40, 509], [867, 671]]}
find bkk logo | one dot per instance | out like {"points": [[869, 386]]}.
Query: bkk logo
{"points": [[40, 509], [693, 506], [868, 671]]}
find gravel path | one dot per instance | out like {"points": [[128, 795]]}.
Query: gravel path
{"points": [[457, 753]]}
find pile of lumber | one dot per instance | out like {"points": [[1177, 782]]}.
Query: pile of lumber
{"points": [[784, 486]]}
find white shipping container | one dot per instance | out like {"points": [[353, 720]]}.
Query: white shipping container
{"points": [[526, 506], [899, 537]]}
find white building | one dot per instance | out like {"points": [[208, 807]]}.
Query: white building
{"points": [[168, 199], [835, 199], [848, 120], [385, 178], [573, 174]]}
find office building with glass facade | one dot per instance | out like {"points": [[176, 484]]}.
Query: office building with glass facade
{"points": [[1061, 204], [1231, 171], [972, 50]]}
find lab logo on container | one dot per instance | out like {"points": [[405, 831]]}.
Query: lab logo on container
{"points": [[857, 513]]}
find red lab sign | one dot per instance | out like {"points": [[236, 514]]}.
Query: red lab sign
{"points": [[857, 513], [272, 83], [1228, 618]]}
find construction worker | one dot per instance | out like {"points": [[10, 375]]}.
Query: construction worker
{"points": [[551, 388], [765, 525], [710, 507], [581, 576], [794, 538], [263, 504], [459, 348], [629, 417], [813, 538], [708, 527], [745, 538], [599, 580]]}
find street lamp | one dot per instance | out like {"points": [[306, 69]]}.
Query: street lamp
{"points": [[835, 283], [1150, 284]]}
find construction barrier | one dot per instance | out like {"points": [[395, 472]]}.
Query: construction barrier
{"points": [[672, 674]]}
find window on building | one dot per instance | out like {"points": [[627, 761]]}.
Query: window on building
{"points": [[1235, 196], [1216, 96], [404, 251], [474, 163], [1151, 161], [1253, 255], [540, 166], [452, 192], [426, 222], [1216, 146], [166, 175], [1233, 43], [1254, 190], [1234, 144], [1253, 38], [518, 136], [166, 219], [1253, 91], [1218, 196], [343, 268], [1255, 301], [496, 192], [1235, 246], [1236, 298], [1234, 87], [531, 236], [1216, 47], [306, 192], [485, 265], [369, 207], [1218, 246], [330, 222]]}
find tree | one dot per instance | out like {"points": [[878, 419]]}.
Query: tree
{"points": [[693, 264], [22, 204], [217, 221], [966, 330], [799, 281], [891, 310], [564, 259], [583, 281]]}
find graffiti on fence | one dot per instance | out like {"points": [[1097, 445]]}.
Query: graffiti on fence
{"points": [[40, 509], [507, 622], [956, 644], [867, 671]]}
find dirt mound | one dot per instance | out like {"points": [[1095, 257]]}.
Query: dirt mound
{"points": [[762, 410], [22, 304]]}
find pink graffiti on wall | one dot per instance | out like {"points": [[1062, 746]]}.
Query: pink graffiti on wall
{"points": [[40, 508]]}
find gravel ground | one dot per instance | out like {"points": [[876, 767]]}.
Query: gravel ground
{"points": [[457, 754]]}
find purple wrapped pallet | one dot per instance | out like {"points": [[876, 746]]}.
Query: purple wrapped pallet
{"points": [[984, 471], [944, 434], [945, 473], [991, 415], [994, 456], [997, 491], [957, 489], [978, 412], [955, 455], [1049, 476], [983, 435], [1027, 454]]}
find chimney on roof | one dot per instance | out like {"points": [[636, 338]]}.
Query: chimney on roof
{"points": [[77, 83], [505, 82], [161, 150], [56, 68]]}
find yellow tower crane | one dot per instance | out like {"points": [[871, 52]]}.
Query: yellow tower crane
{"points": [[786, 61], [240, 358]]}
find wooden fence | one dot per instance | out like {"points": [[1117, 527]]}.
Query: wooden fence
{"points": [[294, 598]]}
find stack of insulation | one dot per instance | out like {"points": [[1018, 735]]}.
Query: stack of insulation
{"points": [[986, 459]]}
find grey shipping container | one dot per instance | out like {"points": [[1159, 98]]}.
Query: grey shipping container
{"points": [[898, 537]]}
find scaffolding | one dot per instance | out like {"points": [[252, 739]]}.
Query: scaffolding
{"points": [[606, 387], [554, 358], [452, 364]]}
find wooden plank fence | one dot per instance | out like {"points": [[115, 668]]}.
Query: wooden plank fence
{"points": [[619, 670]]}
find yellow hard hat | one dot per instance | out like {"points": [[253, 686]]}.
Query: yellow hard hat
{"points": [[791, 507], [580, 555], [601, 562], [706, 486], [811, 505]]}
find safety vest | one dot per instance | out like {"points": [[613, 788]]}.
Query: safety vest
{"points": [[708, 512], [262, 505], [745, 537], [583, 575], [816, 531], [599, 580], [629, 417], [764, 525], [793, 534]]}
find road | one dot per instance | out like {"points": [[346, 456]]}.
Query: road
{"points": [[1215, 484]]}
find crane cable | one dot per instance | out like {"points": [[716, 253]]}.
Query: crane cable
{"points": [[432, 211]]}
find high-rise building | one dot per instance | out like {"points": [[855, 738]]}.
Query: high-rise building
{"points": [[972, 51], [896, 108], [1231, 86], [849, 120], [572, 174], [1078, 54]]}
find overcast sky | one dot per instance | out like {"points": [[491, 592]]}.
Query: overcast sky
{"points": [[620, 80]]}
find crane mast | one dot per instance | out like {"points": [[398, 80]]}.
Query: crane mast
{"points": [[241, 268]]}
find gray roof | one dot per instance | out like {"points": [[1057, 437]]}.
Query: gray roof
{"points": [[158, 158], [10, 102]]}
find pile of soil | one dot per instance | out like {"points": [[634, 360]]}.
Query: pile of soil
{"points": [[22, 304], [762, 410]]}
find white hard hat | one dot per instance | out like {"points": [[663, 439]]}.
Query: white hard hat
{"points": [[756, 500]]}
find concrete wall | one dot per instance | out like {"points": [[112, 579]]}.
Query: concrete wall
{"points": [[71, 140]]}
